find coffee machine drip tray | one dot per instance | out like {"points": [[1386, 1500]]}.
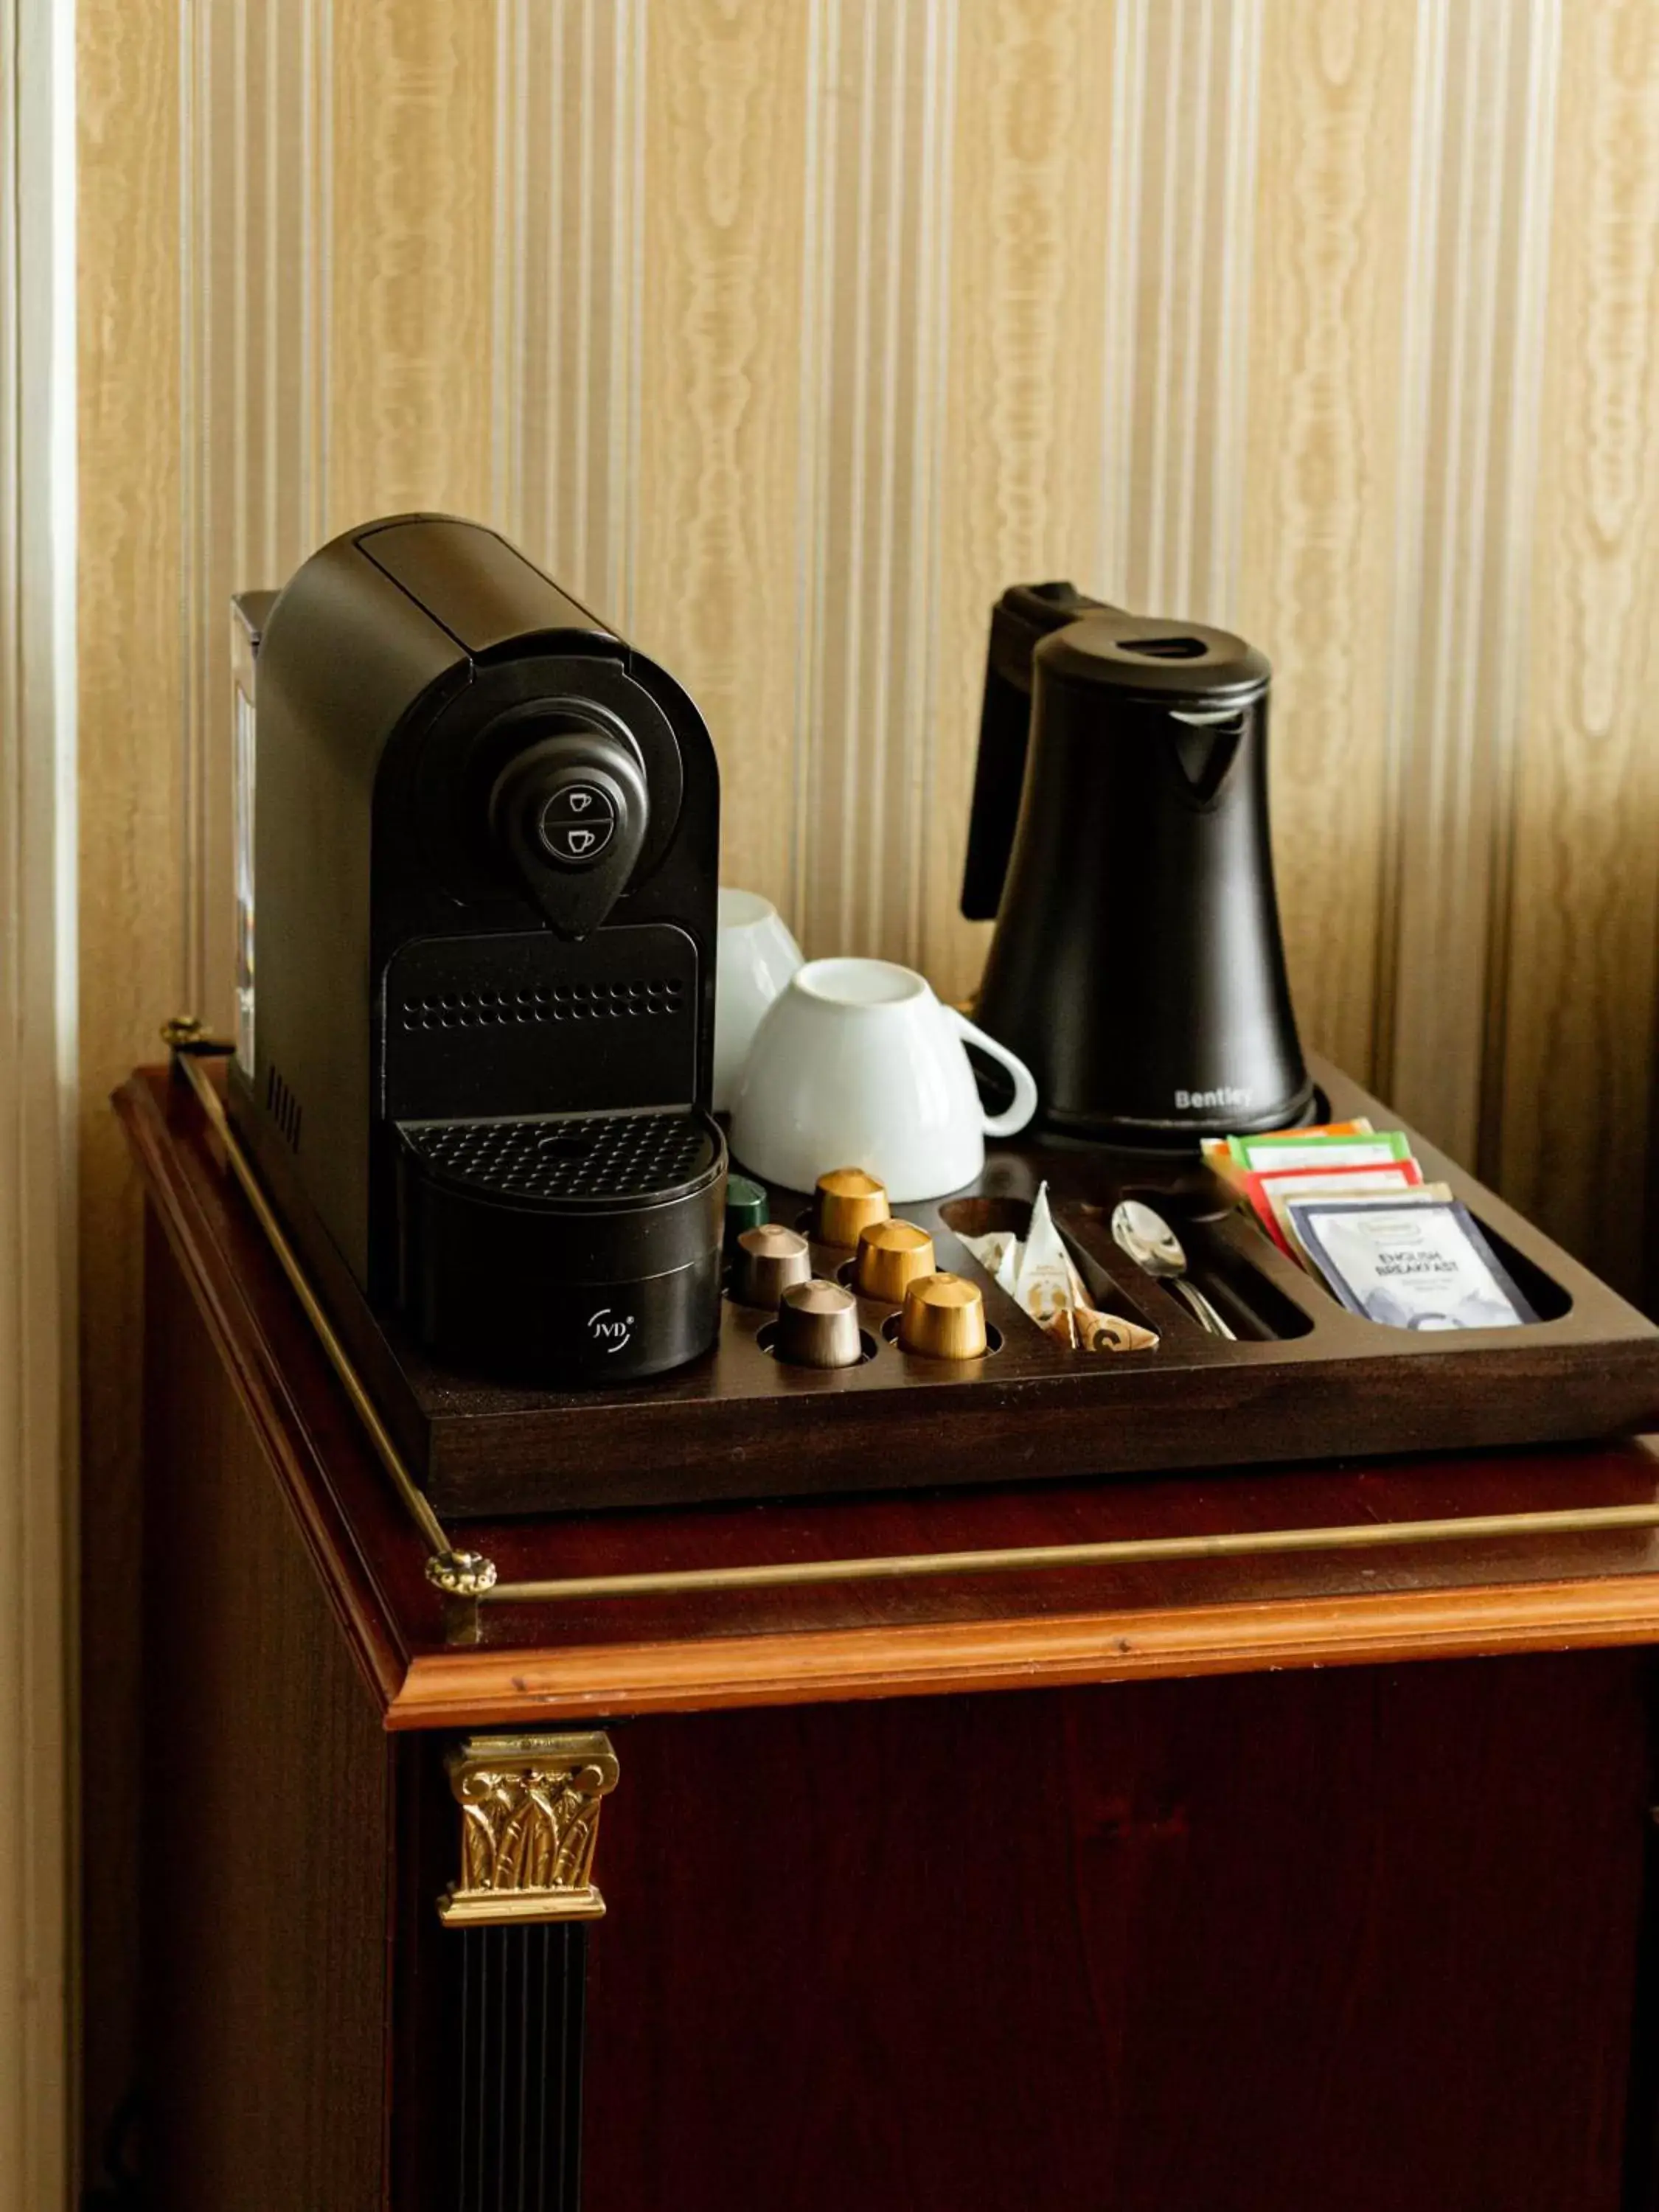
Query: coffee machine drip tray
{"points": [[562, 1248], [553, 1156]]}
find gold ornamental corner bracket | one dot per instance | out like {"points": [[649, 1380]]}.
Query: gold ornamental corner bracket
{"points": [[530, 1822], [461, 1574]]}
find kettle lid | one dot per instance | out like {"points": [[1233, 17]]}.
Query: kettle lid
{"points": [[1159, 659]]}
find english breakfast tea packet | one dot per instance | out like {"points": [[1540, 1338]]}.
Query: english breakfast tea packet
{"points": [[1421, 1263], [1352, 1185]]}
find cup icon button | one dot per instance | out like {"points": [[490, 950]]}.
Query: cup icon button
{"points": [[578, 823]]}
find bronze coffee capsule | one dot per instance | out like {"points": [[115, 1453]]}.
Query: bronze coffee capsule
{"points": [[942, 1318], [848, 1201], [765, 1262], [817, 1325], [892, 1255]]}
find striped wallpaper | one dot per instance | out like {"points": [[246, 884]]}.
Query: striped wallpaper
{"points": [[788, 331], [37, 1449]]}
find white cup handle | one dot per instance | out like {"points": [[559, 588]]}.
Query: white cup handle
{"points": [[1025, 1090]]}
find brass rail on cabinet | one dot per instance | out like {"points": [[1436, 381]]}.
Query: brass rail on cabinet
{"points": [[456, 1573], [470, 1577], [1365, 1535]]}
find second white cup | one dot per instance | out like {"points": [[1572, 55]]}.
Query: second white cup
{"points": [[758, 956], [857, 1065]]}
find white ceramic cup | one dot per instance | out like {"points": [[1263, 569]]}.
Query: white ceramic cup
{"points": [[857, 1065], [758, 956]]}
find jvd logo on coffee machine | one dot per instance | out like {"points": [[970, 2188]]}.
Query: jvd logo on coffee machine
{"points": [[613, 1330], [1201, 1102]]}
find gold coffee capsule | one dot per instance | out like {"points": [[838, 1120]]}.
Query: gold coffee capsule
{"points": [[944, 1318], [892, 1255], [765, 1262], [817, 1325], [848, 1201]]}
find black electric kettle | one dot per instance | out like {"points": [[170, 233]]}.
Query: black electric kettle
{"points": [[1118, 836]]}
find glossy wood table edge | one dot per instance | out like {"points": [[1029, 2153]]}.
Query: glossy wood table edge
{"points": [[370, 1561], [933, 1660]]}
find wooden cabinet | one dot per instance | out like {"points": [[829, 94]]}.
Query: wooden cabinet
{"points": [[1308, 1878]]}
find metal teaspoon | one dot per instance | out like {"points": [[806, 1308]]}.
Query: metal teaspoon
{"points": [[1150, 1242]]}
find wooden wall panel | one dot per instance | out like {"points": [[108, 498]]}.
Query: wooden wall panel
{"points": [[1327, 278], [411, 244], [879, 160], [1101, 215], [570, 182], [1023, 426], [715, 567], [250, 424], [1471, 325], [1574, 1077]]}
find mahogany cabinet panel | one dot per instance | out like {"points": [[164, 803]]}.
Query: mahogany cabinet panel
{"points": [[267, 1825], [1365, 1938], [1368, 1937]]}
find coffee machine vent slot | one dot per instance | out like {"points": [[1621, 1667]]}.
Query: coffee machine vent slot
{"points": [[546, 1002], [283, 1109], [569, 1156]]}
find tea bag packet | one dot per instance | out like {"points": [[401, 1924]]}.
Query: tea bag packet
{"points": [[1079, 1326], [1042, 1286], [999, 1254], [1298, 1148], [1041, 1277], [1338, 1160], [1217, 1156], [1266, 1189], [1079, 1287], [1103, 1331], [1417, 1262], [1099, 1332], [992, 1251], [1361, 1182]]}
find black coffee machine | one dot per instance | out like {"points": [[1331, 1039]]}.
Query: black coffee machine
{"points": [[1118, 836], [479, 839]]}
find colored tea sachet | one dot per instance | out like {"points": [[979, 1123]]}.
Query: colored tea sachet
{"points": [[1348, 1203], [1267, 1188]]}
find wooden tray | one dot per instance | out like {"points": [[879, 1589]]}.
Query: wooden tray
{"points": [[1306, 1380]]}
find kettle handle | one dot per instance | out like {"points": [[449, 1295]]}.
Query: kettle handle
{"points": [[1025, 614]]}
